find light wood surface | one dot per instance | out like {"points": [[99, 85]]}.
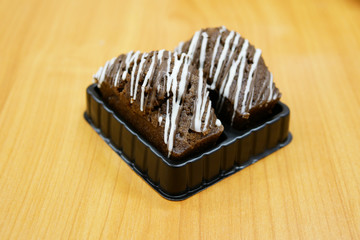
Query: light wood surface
{"points": [[59, 180]]}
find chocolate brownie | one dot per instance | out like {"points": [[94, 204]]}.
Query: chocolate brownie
{"points": [[161, 96], [241, 86]]}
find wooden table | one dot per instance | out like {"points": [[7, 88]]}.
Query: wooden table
{"points": [[59, 180]]}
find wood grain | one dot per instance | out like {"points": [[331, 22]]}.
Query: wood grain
{"points": [[59, 180]]}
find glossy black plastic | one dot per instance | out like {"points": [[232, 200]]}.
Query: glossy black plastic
{"points": [[176, 180]]}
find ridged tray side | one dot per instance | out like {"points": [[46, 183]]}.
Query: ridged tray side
{"points": [[179, 180]]}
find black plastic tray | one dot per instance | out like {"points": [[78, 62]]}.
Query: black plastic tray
{"points": [[179, 180]]}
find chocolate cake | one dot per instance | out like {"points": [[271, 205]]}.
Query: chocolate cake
{"points": [[161, 96], [241, 86]]}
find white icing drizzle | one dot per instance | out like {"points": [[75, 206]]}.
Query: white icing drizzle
{"points": [[226, 84], [127, 64], [203, 51], [172, 85], [207, 116], [228, 80], [270, 87], [177, 90], [169, 62], [184, 75], [222, 58], [135, 57], [263, 91], [201, 96], [167, 122], [249, 80], [202, 111], [100, 74], [275, 96], [117, 77], [142, 61], [222, 29], [193, 44], [160, 120], [146, 79], [234, 45], [242, 56], [160, 55], [231, 76], [168, 67], [178, 49], [175, 70]]}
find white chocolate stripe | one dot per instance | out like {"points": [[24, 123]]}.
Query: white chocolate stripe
{"points": [[184, 75], [222, 58], [225, 86], [250, 78], [234, 45], [200, 101], [275, 96], [234, 66], [117, 77], [127, 64], [253, 75], [176, 99], [215, 49], [169, 62], [175, 70], [178, 49], [242, 55], [142, 61], [168, 66], [135, 57], [205, 95], [160, 56], [229, 78], [100, 74], [147, 77], [270, 87], [203, 49], [207, 116], [193, 44], [172, 83], [167, 122]]}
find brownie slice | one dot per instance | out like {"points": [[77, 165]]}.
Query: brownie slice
{"points": [[161, 96], [241, 86]]}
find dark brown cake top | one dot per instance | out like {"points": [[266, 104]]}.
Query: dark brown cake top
{"points": [[160, 81], [232, 67]]}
